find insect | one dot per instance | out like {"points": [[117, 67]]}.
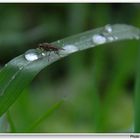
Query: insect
{"points": [[49, 48]]}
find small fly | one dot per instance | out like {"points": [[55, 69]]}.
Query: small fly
{"points": [[49, 48]]}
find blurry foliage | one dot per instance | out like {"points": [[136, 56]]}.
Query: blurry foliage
{"points": [[106, 72]]}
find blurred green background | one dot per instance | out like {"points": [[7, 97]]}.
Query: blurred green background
{"points": [[97, 84]]}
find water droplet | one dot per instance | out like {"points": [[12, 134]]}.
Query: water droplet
{"points": [[110, 38], [58, 41], [70, 48], [108, 28], [31, 56], [43, 54], [6, 65], [20, 68], [115, 37], [137, 37], [98, 39]]}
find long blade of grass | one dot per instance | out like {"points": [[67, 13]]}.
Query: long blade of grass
{"points": [[48, 113], [11, 123], [3, 124], [20, 71]]}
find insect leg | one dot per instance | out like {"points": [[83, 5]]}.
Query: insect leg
{"points": [[49, 55], [57, 52]]}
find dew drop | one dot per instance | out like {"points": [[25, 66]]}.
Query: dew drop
{"points": [[20, 68], [108, 28], [98, 39], [115, 37], [110, 38], [70, 48], [6, 65], [137, 37], [58, 41], [31, 56], [43, 54]]}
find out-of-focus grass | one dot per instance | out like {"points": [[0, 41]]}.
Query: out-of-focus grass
{"points": [[108, 71], [136, 99]]}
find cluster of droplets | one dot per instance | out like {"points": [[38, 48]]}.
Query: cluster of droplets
{"points": [[105, 36], [33, 55]]}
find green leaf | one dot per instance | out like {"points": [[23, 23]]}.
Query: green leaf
{"points": [[20, 71]]}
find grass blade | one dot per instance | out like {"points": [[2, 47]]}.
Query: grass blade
{"points": [[11, 123], [45, 115], [19, 72]]}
